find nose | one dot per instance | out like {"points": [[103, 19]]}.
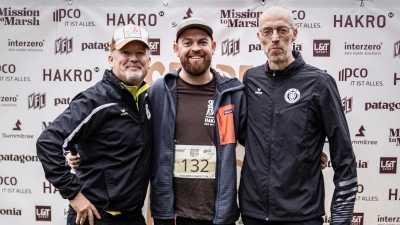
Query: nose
{"points": [[195, 47], [132, 57], [275, 36]]}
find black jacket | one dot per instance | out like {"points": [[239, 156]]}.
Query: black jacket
{"points": [[290, 113], [113, 139]]}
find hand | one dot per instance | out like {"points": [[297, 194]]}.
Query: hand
{"points": [[324, 160], [73, 160], [223, 73], [84, 209]]}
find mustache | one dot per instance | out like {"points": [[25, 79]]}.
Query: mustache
{"points": [[201, 55], [130, 64]]}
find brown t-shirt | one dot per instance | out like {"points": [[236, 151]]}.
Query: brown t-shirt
{"points": [[195, 196]]}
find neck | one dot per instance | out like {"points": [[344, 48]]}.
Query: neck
{"points": [[196, 80], [280, 65], [133, 83]]}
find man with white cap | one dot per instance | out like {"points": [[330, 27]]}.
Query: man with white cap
{"points": [[199, 115], [108, 126]]}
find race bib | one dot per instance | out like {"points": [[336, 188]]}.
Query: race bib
{"points": [[195, 161]]}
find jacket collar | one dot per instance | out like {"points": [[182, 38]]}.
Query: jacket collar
{"points": [[290, 70], [222, 83]]}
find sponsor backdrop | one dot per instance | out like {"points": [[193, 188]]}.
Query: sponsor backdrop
{"points": [[52, 49]]}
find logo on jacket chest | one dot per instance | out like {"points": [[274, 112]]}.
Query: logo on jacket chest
{"points": [[123, 112], [209, 118], [292, 95]]}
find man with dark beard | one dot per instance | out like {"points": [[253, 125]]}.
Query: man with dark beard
{"points": [[108, 126], [198, 116]]}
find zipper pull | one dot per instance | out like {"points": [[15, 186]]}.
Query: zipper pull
{"points": [[273, 74]]}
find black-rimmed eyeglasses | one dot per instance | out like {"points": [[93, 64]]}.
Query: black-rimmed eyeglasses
{"points": [[281, 31]]}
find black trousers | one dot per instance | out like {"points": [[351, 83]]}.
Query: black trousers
{"points": [[184, 221], [253, 221], [108, 219]]}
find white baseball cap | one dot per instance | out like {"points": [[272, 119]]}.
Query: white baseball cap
{"points": [[124, 35]]}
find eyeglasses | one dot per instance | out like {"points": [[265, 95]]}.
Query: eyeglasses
{"points": [[282, 31]]}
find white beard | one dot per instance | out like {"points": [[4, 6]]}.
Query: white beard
{"points": [[133, 76]]}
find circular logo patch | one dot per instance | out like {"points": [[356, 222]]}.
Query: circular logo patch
{"points": [[292, 95]]}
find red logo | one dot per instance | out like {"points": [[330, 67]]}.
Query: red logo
{"points": [[388, 165], [322, 48], [154, 46], [43, 213], [358, 219]]}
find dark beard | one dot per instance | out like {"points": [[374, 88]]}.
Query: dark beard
{"points": [[197, 69]]}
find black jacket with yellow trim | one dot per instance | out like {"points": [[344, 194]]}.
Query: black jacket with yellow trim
{"points": [[113, 139]]}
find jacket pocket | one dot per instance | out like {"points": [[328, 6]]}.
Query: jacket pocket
{"points": [[226, 126], [110, 186]]}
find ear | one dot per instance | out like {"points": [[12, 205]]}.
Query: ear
{"points": [[148, 65], [110, 61], [259, 36], [175, 47], [213, 46], [295, 32]]}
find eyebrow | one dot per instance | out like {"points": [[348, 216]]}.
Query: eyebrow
{"points": [[280, 26], [191, 39]]}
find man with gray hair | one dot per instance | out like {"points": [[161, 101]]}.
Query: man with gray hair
{"points": [[108, 127], [299, 106]]}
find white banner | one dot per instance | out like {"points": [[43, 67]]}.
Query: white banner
{"points": [[52, 51]]}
